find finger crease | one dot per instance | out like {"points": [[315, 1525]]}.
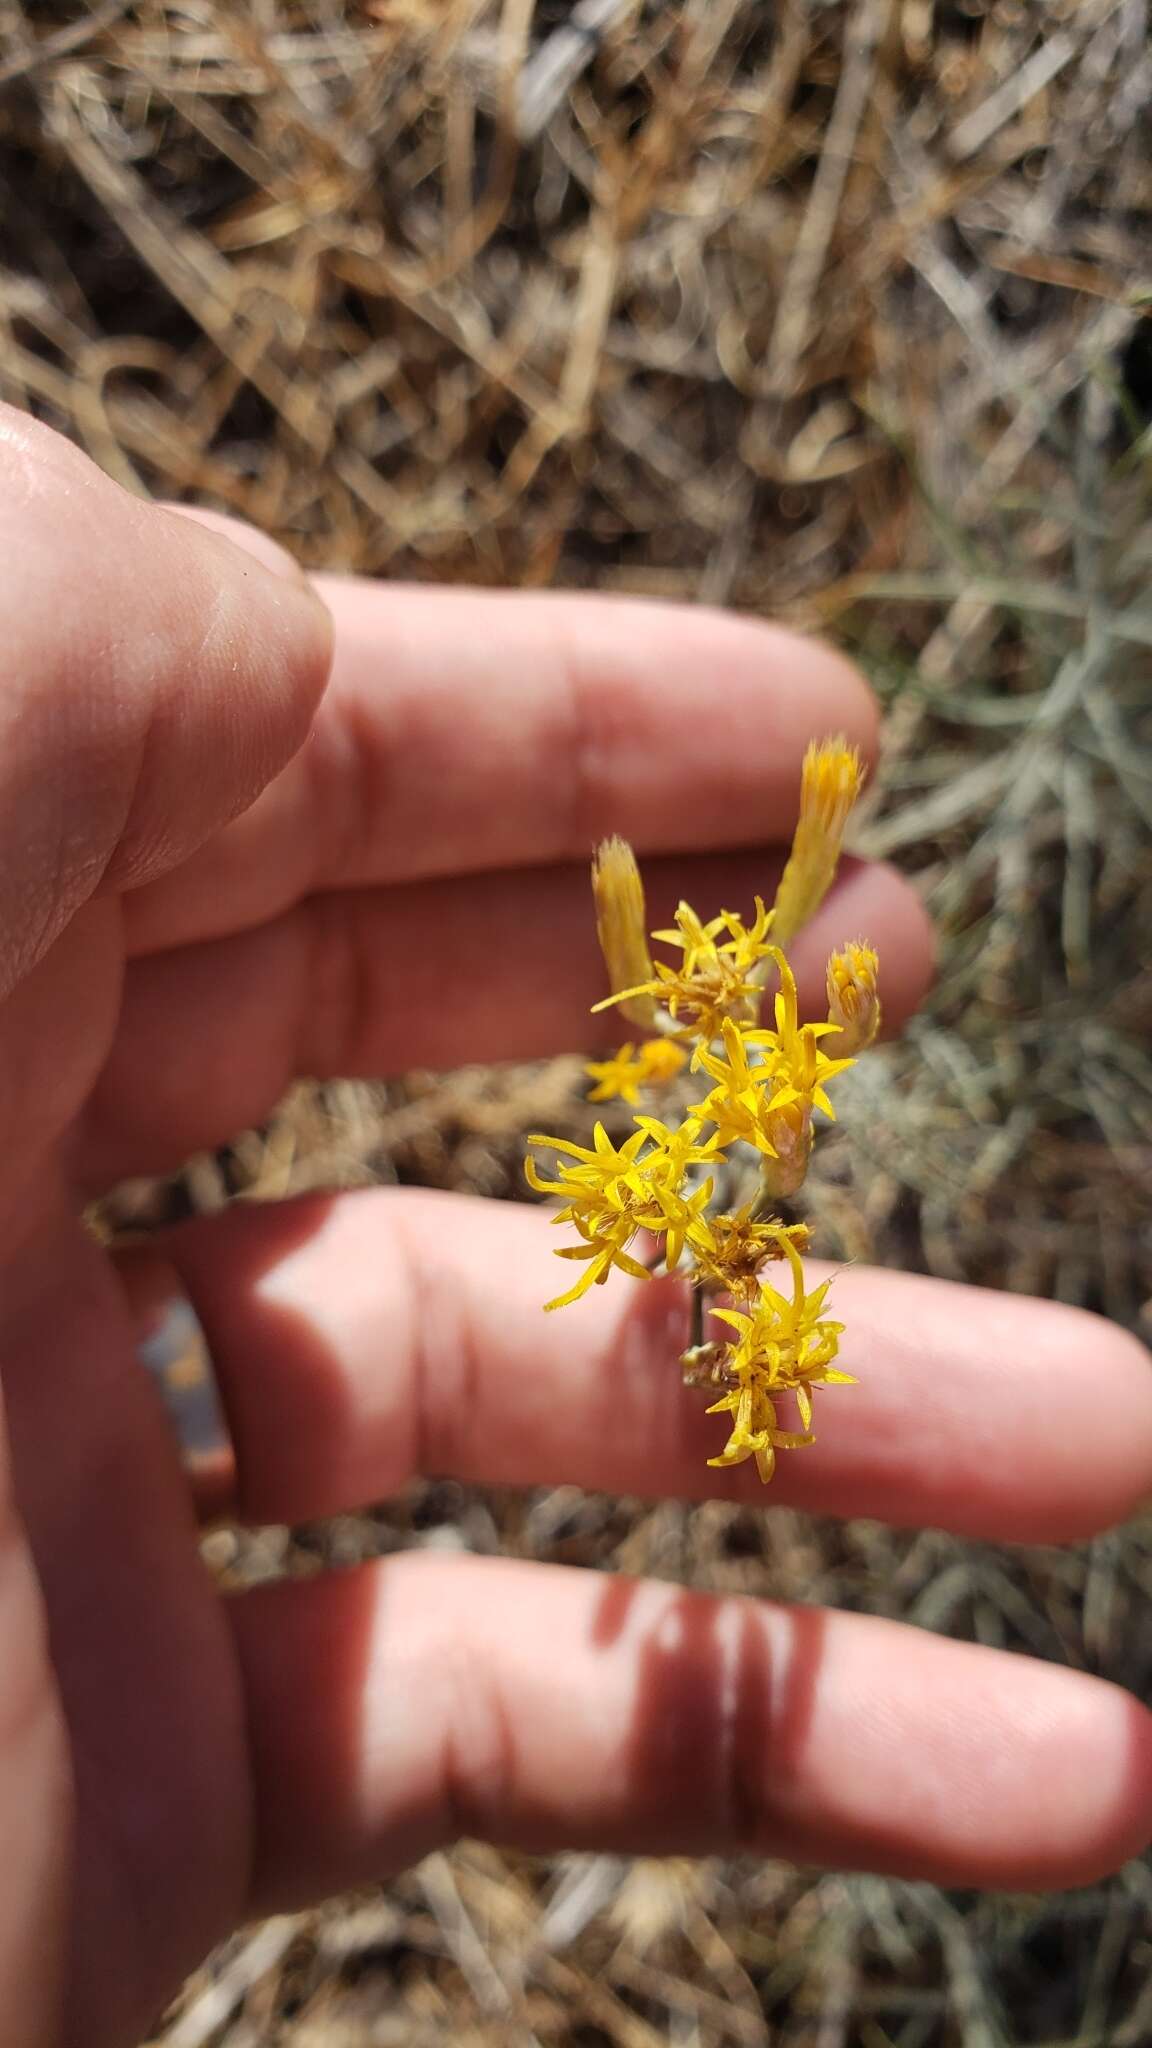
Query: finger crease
{"points": [[445, 1364], [478, 1754]]}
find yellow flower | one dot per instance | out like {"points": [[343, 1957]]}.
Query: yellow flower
{"points": [[830, 783], [628, 1071], [623, 1075], [785, 1339], [783, 1346], [663, 1059], [731, 1250], [739, 952], [853, 1001], [714, 978], [612, 1192], [796, 1072], [755, 1430], [739, 1103], [621, 927], [749, 1107], [791, 1053], [768, 1102]]}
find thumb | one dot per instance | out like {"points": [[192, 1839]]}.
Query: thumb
{"points": [[156, 676]]}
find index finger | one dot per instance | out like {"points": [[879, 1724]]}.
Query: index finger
{"points": [[470, 730]]}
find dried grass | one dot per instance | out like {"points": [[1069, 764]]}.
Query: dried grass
{"points": [[831, 310]]}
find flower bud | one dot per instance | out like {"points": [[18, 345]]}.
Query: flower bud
{"points": [[662, 1060], [830, 784], [853, 999], [621, 926], [788, 1129]]}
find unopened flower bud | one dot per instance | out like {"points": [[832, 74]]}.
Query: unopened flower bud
{"points": [[832, 777], [662, 1059], [789, 1132], [621, 926], [853, 999]]}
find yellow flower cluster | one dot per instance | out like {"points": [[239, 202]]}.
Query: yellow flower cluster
{"points": [[714, 979], [610, 1194], [767, 1083]]}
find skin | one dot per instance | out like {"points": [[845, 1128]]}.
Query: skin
{"points": [[218, 871]]}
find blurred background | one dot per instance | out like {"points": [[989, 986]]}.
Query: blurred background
{"points": [[835, 310]]}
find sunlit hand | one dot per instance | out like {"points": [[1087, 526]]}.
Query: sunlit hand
{"points": [[198, 902]]}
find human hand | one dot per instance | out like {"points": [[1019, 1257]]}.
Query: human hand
{"points": [[196, 904]]}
